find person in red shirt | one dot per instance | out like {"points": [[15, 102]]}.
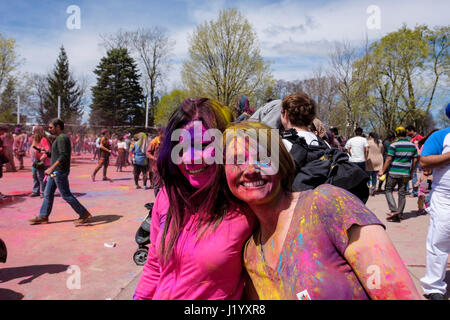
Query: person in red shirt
{"points": [[414, 138], [41, 148]]}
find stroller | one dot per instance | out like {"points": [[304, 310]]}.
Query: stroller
{"points": [[143, 238]]}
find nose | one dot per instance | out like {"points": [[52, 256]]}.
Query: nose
{"points": [[252, 171], [193, 156]]}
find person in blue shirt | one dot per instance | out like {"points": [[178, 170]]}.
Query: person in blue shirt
{"points": [[139, 160], [436, 156]]}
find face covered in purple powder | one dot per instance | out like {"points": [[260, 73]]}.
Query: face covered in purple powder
{"points": [[194, 163]]}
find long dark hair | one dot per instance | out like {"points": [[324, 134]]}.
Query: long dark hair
{"points": [[375, 137], [210, 204]]}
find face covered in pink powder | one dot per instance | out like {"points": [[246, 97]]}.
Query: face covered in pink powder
{"points": [[252, 181], [194, 167]]}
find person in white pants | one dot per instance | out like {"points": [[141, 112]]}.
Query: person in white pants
{"points": [[436, 155]]}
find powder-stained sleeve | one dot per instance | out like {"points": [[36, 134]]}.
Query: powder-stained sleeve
{"points": [[338, 210], [151, 272]]}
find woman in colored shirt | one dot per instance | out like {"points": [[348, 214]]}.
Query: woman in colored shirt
{"points": [[140, 161], [121, 154], [41, 160], [105, 152], [317, 244], [374, 161], [196, 236]]}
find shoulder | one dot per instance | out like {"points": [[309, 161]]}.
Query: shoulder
{"points": [[161, 205], [326, 191], [329, 200], [435, 143]]}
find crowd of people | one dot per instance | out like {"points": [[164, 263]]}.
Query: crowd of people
{"points": [[250, 230]]}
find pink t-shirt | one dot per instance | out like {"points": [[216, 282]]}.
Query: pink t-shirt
{"points": [[43, 144], [209, 268]]}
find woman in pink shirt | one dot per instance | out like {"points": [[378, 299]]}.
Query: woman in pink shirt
{"points": [[41, 161], [196, 235]]}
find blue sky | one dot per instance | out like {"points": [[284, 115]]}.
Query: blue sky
{"points": [[296, 36]]}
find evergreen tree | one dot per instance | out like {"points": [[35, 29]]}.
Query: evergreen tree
{"points": [[117, 97], [61, 83], [8, 102]]}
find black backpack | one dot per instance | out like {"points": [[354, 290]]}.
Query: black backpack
{"points": [[316, 165]]}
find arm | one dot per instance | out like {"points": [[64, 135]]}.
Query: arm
{"points": [[349, 152], [377, 264], [386, 166], [52, 168], [366, 152], [151, 272], [148, 153], [434, 161]]}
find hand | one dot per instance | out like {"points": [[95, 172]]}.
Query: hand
{"points": [[380, 173], [48, 171]]}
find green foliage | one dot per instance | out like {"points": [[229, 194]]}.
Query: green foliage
{"points": [[61, 83], [167, 106], [117, 96], [405, 68], [225, 61], [8, 117], [8, 58], [8, 98]]}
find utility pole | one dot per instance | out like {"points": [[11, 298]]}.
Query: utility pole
{"points": [[18, 109], [59, 107], [146, 113]]}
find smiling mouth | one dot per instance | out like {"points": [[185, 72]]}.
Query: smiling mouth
{"points": [[194, 172], [254, 184]]}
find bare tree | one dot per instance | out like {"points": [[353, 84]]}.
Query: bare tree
{"points": [[351, 81], [152, 48], [323, 90], [39, 87]]}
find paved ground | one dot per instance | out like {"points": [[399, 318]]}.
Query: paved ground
{"points": [[39, 257]]}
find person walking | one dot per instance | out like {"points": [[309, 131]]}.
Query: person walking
{"points": [[8, 142], [121, 153], [153, 150], [3, 158], [401, 162], [19, 146], [58, 177], [41, 161], [140, 161], [97, 147], [374, 161], [358, 149], [105, 152], [436, 156], [415, 138], [386, 143]]}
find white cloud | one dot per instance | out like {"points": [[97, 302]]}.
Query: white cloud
{"points": [[287, 31]]}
